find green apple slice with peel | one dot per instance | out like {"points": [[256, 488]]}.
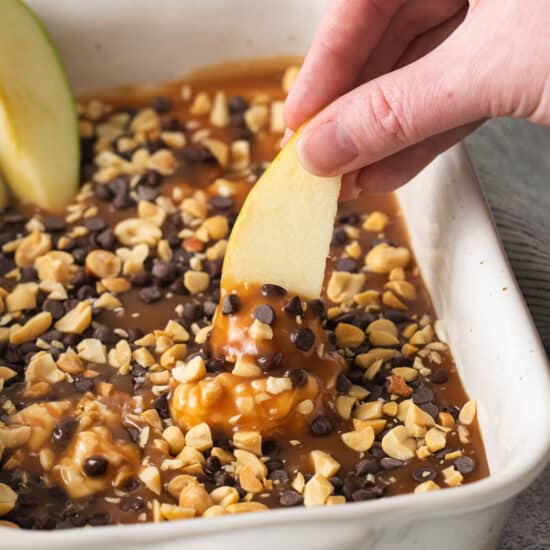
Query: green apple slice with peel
{"points": [[283, 232], [39, 145]]}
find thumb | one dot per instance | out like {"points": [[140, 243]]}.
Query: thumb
{"points": [[439, 92]]}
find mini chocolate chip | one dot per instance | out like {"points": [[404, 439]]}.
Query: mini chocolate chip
{"points": [[150, 294], [346, 264], [214, 365], [192, 311], [439, 376], [237, 104], [367, 466], [161, 104], [343, 384], [339, 237], [83, 384], [164, 272], [368, 493], [294, 307], [431, 409], [271, 448], [106, 239], [141, 278], [196, 154], [278, 476], [95, 466], [424, 473], [317, 309], [422, 395], [147, 193], [465, 464], [5, 264], [79, 255], [55, 307], [28, 274], [85, 292], [321, 425], [52, 335], [82, 277], [102, 192], [94, 224], [160, 404], [290, 498], [270, 362], [123, 201], [272, 291], [64, 431], [389, 463], [221, 203], [231, 304], [134, 333], [209, 308], [396, 316], [298, 377], [106, 334], [265, 314], [303, 339], [132, 504], [54, 225], [119, 185], [212, 465]]}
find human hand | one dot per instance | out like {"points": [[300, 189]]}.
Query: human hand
{"points": [[403, 80]]}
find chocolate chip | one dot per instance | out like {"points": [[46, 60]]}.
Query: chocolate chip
{"points": [[85, 292], [119, 185], [294, 307], [102, 192], [52, 335], [107, 335], [465, 464], [346, 264], [195, 154], [63, 432], [209, 308], [150, 294], [439, 376], [367, 466], [303, 339], [164, 272], [368, 493], [270, 362], [298, 377], [54, 225], [106, 239], [95, 466], [231, 304], [134, 334], [160, 404], [317, 309], [79, 255], [321, 425], [214, 365], [290, 498], [389, 463], [272, 291], [132, 504], [147, 193], [424, 473], [152, 178], [396, 316], [94, 224], [339, 237], [265, 314], [273, 465], [123, 201], [237, 104], [279, 476], [431, 409], [192, 311], [54, 307], [28, 274], [141, 278], [221, 203], [212, 465], [422, 395], [83, 385], [5, 264], [161, 104], [343, 384]]}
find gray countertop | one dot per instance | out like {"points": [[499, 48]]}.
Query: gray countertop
{"points": [[512, 161]]}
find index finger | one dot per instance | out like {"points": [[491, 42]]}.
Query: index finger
{"points": [[348, 32]]}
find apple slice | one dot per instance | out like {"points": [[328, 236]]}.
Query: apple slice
{"points": [[39, 146], [283, 232]]}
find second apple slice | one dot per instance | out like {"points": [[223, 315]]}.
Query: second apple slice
{"points": [[282, 235]]}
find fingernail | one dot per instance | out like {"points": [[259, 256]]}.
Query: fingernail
{"points": [[326, 149], [350, 187], [286, 136]]}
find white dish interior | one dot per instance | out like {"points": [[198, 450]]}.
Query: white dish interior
{"points": [[500, 358]]}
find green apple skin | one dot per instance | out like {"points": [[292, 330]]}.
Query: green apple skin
{"points": [[39, 142]]}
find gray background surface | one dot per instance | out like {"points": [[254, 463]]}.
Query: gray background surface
{"points": [[512, 161]]}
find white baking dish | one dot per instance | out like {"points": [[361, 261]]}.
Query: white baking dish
{"points": [[107, 42]]}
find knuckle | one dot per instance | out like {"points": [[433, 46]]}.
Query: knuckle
{"points": [[387, 114]]}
